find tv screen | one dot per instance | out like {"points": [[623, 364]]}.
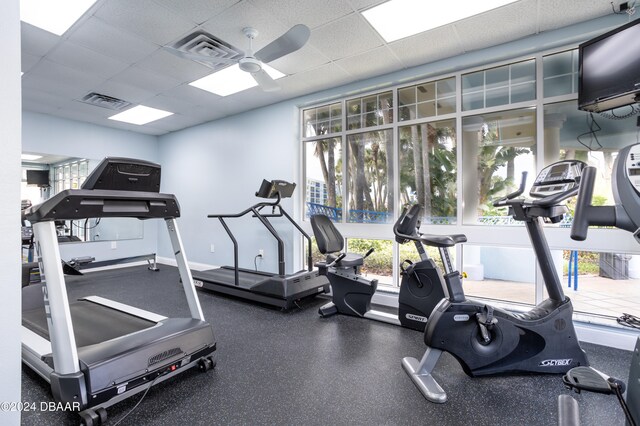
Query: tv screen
{"points": [[610, 69], [38, 177]]}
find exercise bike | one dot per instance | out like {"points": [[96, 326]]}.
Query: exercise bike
{"points": [[490, 341], [421, 288]]}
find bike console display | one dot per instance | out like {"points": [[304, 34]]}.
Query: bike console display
{"points": [[557, 178]]}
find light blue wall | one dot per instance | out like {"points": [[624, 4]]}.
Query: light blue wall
{"points": [[217, 166], [52, 135]]}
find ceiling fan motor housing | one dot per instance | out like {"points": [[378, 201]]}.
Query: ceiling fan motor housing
{"points": [[250, 64]]}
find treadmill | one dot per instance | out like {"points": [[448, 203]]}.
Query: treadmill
{"points": [[95, 352], [276, 289]]}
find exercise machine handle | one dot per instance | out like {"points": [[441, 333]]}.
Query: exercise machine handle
{"points": [[371, 250], [502, 202], [338, 259], [586, 214]]}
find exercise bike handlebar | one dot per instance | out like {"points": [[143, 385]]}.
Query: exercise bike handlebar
{"points": [[586, 214], [371, 250], [503, 202]]}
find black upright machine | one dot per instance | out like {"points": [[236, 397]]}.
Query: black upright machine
{"points": [[489, 341], [276, 289], [422, 285], [625, 214], [95, 352]]}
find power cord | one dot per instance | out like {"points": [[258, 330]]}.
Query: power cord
{"points": [[255, 261], [594, 127], [137, 403]]}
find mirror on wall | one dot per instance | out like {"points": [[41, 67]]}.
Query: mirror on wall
{"points": [[44, 175]]}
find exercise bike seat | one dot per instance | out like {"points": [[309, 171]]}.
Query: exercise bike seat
{"points": [[349, 260], [443, 240]]}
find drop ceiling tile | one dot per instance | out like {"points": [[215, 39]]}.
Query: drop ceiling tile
{"points": [[311, 13], [308, 57], [82, 109], [365, 4], [36, 41], [153, 22], [428, 46], [38, 97], [498, 26], [205, 113], [197, 11], [372, 63], [165, 63], [176, 122], [169, 103], [146, 80], [124, 91], [551, 16], [51, 77], [115, 43], [324, 77], [193, 95], [346, 37], [228, 26], [41, 108], [85, 60]]}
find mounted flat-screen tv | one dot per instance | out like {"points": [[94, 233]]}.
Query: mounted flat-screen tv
{"points": [[38, 177], [610, 69]]}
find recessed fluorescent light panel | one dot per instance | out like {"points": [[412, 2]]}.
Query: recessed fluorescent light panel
{"points": [[140, 115], [398, 19], [30, 157], [231, 80], [55, 16]]}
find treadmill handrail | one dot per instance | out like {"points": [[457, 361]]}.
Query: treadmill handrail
{"points": [[73, 204]]}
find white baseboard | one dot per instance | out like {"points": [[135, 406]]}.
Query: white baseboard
{"points": [[116, 266], [192, 265]]}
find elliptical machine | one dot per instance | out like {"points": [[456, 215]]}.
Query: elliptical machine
{"points": [[489, 341], [421, 288]]}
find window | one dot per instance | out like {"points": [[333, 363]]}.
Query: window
{"points": [[503, 85], [379, 264], [323, 120], [324, 176], [428, 169], [369, 111], [70, 175], [496, 149], [370, 185], [560, 73], [427, 100]]}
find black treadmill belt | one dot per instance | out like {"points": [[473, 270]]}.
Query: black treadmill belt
{"points": [[224, 276], [92, 323]]}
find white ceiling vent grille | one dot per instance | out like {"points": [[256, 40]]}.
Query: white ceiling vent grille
{"points": [[104, 101], [203, 43]]}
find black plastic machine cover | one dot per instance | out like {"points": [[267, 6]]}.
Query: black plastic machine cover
{"points": [[118, 187]]}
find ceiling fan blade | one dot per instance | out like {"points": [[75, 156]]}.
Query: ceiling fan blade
{"points": [[201, 58], [287, 43], [265, 81]]}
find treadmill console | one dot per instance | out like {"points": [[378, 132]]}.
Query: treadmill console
{"points": [[124, 174], [556, 178], [273, 188]]}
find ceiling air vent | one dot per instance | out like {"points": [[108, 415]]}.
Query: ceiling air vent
{"points": [[203, 43], [104, 101]]}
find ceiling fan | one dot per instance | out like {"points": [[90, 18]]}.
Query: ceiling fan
{"points": [[252, 62]]}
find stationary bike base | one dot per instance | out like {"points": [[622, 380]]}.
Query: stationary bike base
{"points": [[328, 310], [420, 373]]}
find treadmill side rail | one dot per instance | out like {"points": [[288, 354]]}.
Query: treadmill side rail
{"points": [[63, 342]]}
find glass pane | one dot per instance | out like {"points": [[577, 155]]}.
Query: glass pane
{"points": [[407, 113], [353, 107], [380, 263], [473, 100], [601, 283], [409, 252], [427, 109], [523, 72], [472, 82], [558, 64], [426, 92], [371, 119], [498, 96], [370, 177], [497, 77], [446, 87], [523, 92], [407, 96], [353, 122], [496, 149], [84, 169], [324, 174], [336, 125], [428, 169], [446, 106], [501, 273], [323, 113], [370, 104], [385, 100], [557, 86], [336, 111]]}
